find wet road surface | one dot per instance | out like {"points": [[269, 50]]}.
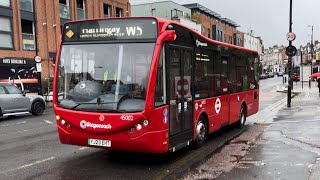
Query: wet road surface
{"points": [[30, 149]]}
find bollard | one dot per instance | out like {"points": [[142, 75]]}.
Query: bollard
{"points": [[309, 82]]}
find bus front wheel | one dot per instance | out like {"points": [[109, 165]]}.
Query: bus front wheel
{"points": [[201, 132]]}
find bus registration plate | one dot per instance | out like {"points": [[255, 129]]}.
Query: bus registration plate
{"points": [[99, 142]]}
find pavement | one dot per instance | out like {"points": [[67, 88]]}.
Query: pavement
{"points": [[283, 145]]}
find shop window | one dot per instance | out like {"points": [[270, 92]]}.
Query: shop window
{"points": [[5, 33]]}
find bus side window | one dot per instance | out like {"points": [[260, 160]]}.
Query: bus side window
{"points": [[159, 98]]}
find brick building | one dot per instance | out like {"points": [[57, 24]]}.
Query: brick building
{"points": [[23, 22], [214, 26]]}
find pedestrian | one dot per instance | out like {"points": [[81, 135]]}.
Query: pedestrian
{"points": [[318, 80]]}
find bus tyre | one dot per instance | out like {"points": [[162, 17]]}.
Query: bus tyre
{"points": [[242, 118], [37, 108], [201, 132]]}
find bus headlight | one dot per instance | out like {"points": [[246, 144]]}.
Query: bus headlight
{"points": [[139, 127], [58, 117], [63, 122]]}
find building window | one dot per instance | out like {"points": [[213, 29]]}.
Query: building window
{"points": [[175, 14], [5, 3], [119, 12], [106, 10], [64, 9], [209, 33], [26, 5], [81, 10], [28, 38], [5, 33]]}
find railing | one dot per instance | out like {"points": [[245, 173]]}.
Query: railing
{"points": [[64, 11], [81, 14], [28, 42], [26, 5], [5, 3]]}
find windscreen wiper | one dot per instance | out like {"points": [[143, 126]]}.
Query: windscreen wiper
{"points": [[78, 104]]}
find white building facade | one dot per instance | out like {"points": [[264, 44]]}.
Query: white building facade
{"points": [[166, 10]]}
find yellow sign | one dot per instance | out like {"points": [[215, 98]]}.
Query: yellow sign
{"points": [[69, 34]]}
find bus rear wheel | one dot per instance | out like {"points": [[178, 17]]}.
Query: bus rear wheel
{"points": [[201, 132], [243, 118]]}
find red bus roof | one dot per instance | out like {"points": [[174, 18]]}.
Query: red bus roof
{"points": [[163, 23]]}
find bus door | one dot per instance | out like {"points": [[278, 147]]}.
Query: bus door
{"points": [[179, 68], [225, 89]]}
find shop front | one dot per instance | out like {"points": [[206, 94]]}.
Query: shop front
{"points": [[21, 72]]}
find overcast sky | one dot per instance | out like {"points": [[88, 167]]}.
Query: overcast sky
{"points": [[267, 18]]}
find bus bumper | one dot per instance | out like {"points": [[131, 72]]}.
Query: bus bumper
{"points": [[149, 142]]}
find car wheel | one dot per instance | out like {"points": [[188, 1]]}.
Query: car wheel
{"points": [[201, 132], [37, 108], [1, 114], [242, 118]]}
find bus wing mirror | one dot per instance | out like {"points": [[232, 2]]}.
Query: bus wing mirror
{"points": [[170, 35]]}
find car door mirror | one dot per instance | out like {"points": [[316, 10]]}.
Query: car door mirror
{"points": [[24, 93]]}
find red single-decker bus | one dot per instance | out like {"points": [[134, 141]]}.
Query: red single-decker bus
{"points": [[146, 84]]}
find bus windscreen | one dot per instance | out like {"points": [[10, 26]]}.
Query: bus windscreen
{"points": [[111, 29]]}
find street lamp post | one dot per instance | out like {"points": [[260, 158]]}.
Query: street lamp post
{"points": [[311, 48], [289, 60], [311, 52]]}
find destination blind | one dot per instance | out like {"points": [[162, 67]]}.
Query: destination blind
{"points": [[111, 29]]}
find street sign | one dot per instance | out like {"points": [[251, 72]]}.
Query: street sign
{"points": [[291, 51], [39, 67], [37, 59], [291, 36]]}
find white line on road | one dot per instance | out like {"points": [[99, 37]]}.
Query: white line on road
{"points": [[83, 148], [27, 165], [293, 121], [22, 122], [37, 162], [47, 121]]}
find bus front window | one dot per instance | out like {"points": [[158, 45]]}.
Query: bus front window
{"points": [[104, 77]]}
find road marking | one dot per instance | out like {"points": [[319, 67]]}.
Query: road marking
{"points": [[83, 148], [6, 125], [37, 162], [297, 121], [47, 121]]}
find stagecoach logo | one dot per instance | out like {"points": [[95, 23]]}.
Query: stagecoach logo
{"points": [[84, 124], [202, 44], [217, 105], [101, 118]]}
